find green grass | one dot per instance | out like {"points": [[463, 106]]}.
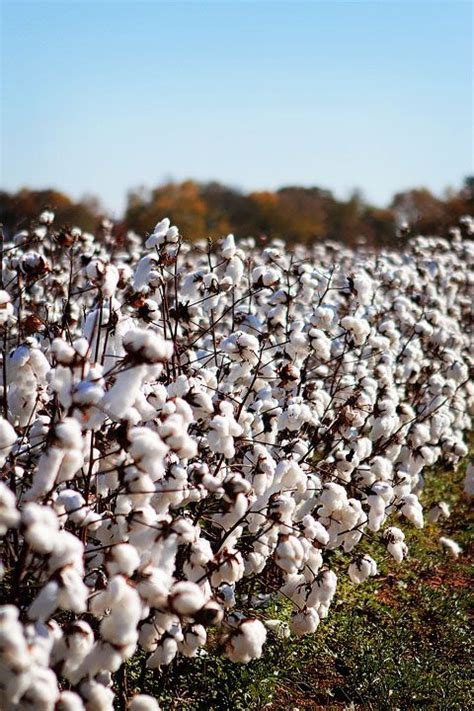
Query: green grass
{"points": [[401, 641]]}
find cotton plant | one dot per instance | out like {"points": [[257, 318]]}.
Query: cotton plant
{"points": [[182, 423]]}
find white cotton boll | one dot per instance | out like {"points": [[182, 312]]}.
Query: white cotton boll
{"points": [[265, 276], [143, 702], [6, 307], [333, 497], [97, 696], [73, 593], [73, 504], [362, 286], [158, 236], [45, 602], [358, 328], [304, 622], [41, 527], [9, 514], [146, 346], [46, 217], [324, 317], [148, 450], [395, 541], [194, 637], [43, 691], [125, 559], [320, 344], [412, 510], [324, 589], [69, 701], [289, 554], [228, 248], [439, 510], [314, 530], [62, 351], [164, 654], [67, 550], [7, 439], [186, 598], [246, 641], [362, 568], [452, 547], [229, 567]]}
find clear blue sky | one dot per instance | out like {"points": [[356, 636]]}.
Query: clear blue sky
{"points": [[106, 95]]}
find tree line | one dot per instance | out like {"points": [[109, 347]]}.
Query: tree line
{"points": [[211, 209]]}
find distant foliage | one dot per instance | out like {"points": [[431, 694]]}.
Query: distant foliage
{"points": [[191, 431], [294, 214]]}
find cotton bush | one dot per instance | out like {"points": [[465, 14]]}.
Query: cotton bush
{"points": [[188, 430]]}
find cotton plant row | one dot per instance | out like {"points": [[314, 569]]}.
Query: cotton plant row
{"points": [[189, 431]]}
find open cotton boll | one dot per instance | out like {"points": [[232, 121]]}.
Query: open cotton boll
{"points": [[362, 286], [412, 510], [304, 622], [164, 653], [246, 641], [158, 236], [395, 542], [69, 701], [9, 514], [6, 307], [124, 559], [146, 346], [362, 568], [148, 450], [451, 546], [97, 696], [439, 510], [143, 702], [227, 247], [194, 637], [41, 526], [358, 328], [103, 275], [186, 598], [7, 439]]}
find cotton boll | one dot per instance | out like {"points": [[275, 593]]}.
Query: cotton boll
{"points": [[97, 696], [289, 554], [7, 439], [124, 559], [69, 701], [279, 628], [304, 622], [194, 637], [164, 654], [146, 346], [357, 328], [394, 539], [453, 548], [246, 641], [186, 598], [439, 510], [361, 568], [143, 702], [9, 514], [6, 307], [412, 510], [45, 602]]}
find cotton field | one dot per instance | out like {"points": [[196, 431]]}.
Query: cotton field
{"points": [[190, 430]]}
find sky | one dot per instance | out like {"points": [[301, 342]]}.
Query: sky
{"points": [[102, 96]]}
